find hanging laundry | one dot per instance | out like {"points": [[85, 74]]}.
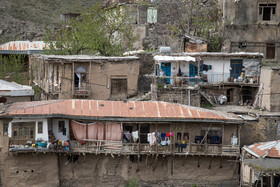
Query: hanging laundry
{"points": [[163, 135], [151, 138], [135, 136], [128, 136]]}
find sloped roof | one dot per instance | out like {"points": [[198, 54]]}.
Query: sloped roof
{"points": [[121, 110], [22, 47], [264, 149], [14, 89], [266, 165]]}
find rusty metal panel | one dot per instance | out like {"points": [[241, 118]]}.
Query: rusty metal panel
{"points": [[266, 149]]}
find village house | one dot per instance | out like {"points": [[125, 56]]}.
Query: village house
{"points": [[260, 164], [253, 26], [183, 77], [85, 77], [13, 92], [151, 141]]}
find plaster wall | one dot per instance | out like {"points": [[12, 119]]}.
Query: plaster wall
{"points": [[219, 67], [55, 129]]}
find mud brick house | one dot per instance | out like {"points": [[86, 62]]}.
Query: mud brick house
{"points": [[86, 77], [260, 164], [186, 76], [85, 142], [253, 26]]}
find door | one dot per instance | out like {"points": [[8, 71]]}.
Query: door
{"points": [[193, 71], [236, 68], [166, 68], [118, 89]]}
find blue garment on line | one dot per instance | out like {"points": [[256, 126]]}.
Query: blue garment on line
{"points": [[163, 135]]}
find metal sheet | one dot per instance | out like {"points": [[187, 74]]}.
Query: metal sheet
{"points": [[117, 109]]}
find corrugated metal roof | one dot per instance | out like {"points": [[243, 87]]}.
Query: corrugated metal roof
{"points": [[14, 89], [23, 45], [117, 109], [85, 57], [265, 149]]}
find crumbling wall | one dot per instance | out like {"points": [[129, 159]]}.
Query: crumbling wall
{"points": [[102, 170], [177, 95], [265, 129], [146, 68]]}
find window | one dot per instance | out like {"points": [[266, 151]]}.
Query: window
{"points": [[22, 132], [5, 130], [266, 11], [270, 51], [152, 15], [61, 127], [40, 127], [80, 78]]}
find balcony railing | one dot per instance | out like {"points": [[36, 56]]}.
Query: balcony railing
{"points": [[82, 91], [213, 78]]}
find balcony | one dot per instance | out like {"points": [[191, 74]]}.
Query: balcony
{"points": [[81, 92]]}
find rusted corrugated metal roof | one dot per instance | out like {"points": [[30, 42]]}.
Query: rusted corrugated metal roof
{"points": [[23, 45], [116, 109], [265, 149]]}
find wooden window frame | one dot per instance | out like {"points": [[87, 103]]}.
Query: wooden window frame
{"points": [[40, 128]]}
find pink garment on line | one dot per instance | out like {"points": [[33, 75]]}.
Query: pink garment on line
{"points": [[113, 132]]}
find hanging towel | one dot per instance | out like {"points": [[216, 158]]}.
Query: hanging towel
{"points": [[171, 134], [163, 135], [168, 134], [135, 136], [152, 138]]}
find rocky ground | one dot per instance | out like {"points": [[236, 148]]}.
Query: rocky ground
{"points": [[27, 19]]}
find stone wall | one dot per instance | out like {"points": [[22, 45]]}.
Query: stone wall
{"points": [[179, 95], [265, 129]]}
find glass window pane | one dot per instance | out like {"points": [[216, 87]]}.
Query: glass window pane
{"points": [[40, 127], [20, 132], [31, 133], [15, 135], [26, 133]]}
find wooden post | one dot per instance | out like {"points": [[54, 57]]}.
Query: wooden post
{"points": [[239, 134], [170, 138], [156, 139], [139, 139], [89, 77], [261, 181], [250, 180], [73, 77]]}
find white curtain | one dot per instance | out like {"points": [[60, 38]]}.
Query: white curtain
{"points": [[79, 76]]}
